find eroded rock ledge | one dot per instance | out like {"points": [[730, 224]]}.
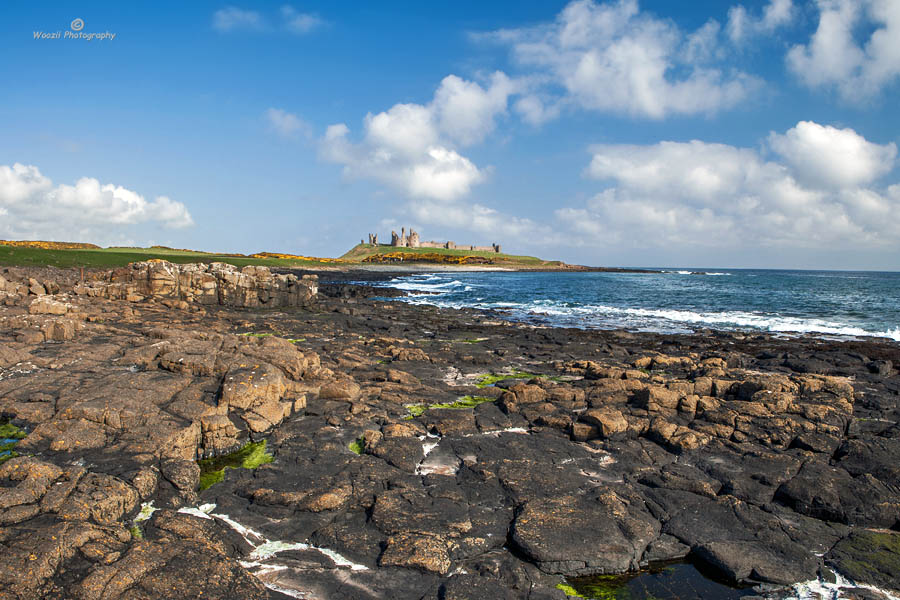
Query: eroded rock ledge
{"points": [[768, 460], [204, 283]]}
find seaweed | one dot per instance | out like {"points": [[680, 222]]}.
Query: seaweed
{"points": [[251, 456], [417, 410], [357, 446]]}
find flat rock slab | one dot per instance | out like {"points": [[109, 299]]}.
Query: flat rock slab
{"points": [[595, 534]]}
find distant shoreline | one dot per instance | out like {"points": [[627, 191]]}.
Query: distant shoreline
{"points": [[406, 269]]}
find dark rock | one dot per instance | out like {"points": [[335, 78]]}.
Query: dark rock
{"points": [[884, 368], [603, 532], [468, 587], [869, 557], [876, 455], [830, 493], [665, 548], [404, 453]]}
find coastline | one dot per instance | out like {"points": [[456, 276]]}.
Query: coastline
{"points": [[591, 433], [411, 268]]}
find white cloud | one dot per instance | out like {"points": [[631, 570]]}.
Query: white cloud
{"points": [[435, 172], [465, 111], [696, 194], [494, 226], [823, 156], [412, 147], [612, 57], [235, 19], [287, 124], [408, 129], [741, 25], [36, 208], [291, 20], [834, 57], [537, 109], [298, 22], [703, 45]]}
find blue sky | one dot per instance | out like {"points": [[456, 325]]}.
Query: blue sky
{"points": [[754, 134]]}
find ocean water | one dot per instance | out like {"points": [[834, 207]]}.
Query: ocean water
{"points": [[823, 303]]}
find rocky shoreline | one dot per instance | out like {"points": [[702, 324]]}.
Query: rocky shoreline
{"points": [[417, 452]]}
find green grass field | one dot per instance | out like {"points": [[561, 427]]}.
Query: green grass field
{"points": [[119, 257], [105, 258], [362, 251]]}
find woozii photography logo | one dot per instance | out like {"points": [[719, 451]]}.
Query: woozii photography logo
{"points": [[74, 32]]}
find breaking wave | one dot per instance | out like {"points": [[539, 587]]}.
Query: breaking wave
{"points": [[789, 303]]}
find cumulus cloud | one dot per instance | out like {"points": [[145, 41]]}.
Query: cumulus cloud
{"points": [[298, 22], [34, 207], [493, 225], [823, 156], [413, 147], [232, 18], [465, 111], [287, 125], [742, 25], [705, 194], [835, 58], [613, 57]]}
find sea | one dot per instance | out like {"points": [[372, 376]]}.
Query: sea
{"points": [[831, 304]]}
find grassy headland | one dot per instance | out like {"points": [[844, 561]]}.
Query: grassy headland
{"points": [[96, 257], [71, 254], [387, 254]]}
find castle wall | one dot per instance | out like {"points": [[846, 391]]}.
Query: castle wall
{"points": [[412, 241]]}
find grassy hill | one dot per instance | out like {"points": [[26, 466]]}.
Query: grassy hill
{"points": [[385, 253], [69, 254], [119, 257]]}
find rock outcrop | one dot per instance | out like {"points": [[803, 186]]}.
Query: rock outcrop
{"points": [[212, 283]]}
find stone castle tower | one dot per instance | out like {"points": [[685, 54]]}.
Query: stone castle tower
{"points": [[412, 241]]}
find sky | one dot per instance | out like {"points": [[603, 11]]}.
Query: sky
{"points": [[760, 134]]}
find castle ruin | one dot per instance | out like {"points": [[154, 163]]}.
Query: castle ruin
{"points": [[412, 241]]}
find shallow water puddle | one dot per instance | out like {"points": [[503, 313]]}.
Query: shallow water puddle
{"points": [[251, 456], [10, 435], [677, 581], [683, 581]]}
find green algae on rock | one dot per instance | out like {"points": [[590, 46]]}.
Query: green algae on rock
{"points": [[357, 446], [568, 590], [465, 402], [489, 379], [9, 437], [871, 557], [417, 410], [251, 456]]}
